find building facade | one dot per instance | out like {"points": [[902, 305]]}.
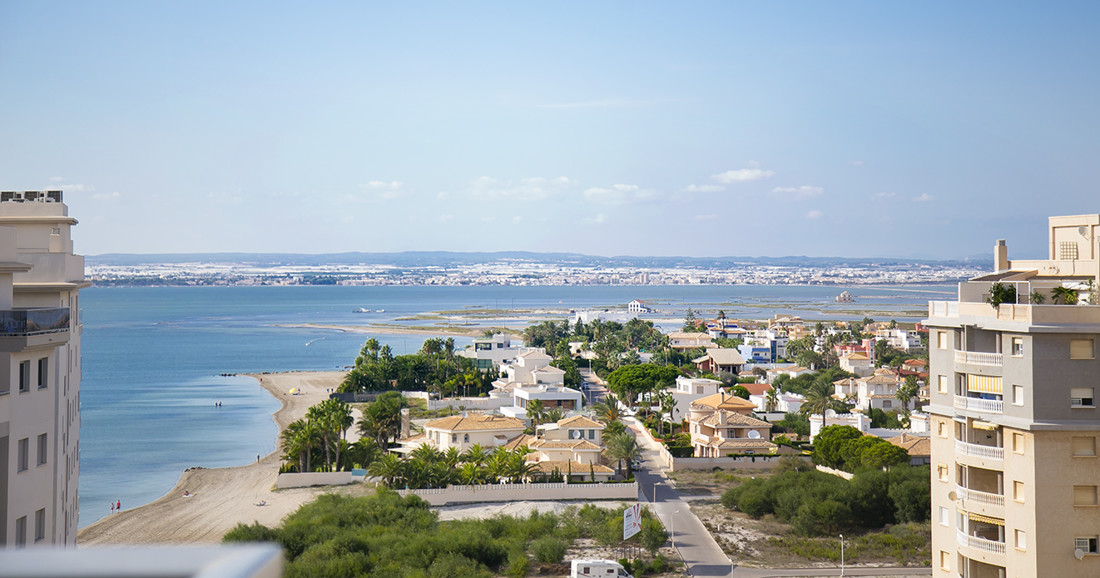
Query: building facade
{"points": [[40, 278], [1014, 422]]}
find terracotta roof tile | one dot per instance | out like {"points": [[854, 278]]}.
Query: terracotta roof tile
{"points": [[475, 422]]}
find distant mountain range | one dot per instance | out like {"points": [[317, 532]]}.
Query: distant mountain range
{"points": [[446, 258]]}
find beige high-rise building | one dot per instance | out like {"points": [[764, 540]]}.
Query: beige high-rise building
{"points": [[39, 370], [1014, 418]]}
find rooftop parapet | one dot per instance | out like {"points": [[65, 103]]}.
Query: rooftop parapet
{"points": [[30, 197]]}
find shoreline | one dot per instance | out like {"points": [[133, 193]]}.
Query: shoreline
{"points": [[385, 330], [222, 497]]}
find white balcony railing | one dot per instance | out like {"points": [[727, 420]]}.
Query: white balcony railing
{"points": [[979, 497], [943, 309], [979, 544], [978, 451], [979, 358], [979, 405]]}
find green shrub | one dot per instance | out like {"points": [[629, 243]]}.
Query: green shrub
{"points": [[548, 550]]}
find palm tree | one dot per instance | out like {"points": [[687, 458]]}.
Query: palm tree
{"points": [[426, 453], [471, 474], [476, 455], [771, 400], [819, 398], [622, 446], [1064, 295], [553, 415], [535, 413], [299, 438], [906, 392], [668, 406], [607, 410], [389, 467]]}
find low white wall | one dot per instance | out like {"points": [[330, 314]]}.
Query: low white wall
{"points": [[480, 403], [761, 462], [513, 492], [838, 473], [314, 479]]}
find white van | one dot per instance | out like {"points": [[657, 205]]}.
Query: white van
{"points": [[592, 568]]}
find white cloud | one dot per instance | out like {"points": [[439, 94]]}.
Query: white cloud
{"points": [[814, 214], [74, 187], [527, 189], [883, 196], [923, 198], [703, 189], [753, 173], [620, 194], [797, 193], [598, 219], [382, 190], [107, 197]]}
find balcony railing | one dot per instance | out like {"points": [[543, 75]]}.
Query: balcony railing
{"points": [[979, 544], [23, 322], [979, 405], [978, 451], [979, 497], [979, 358]]}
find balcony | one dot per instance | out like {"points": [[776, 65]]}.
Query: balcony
{"points": [[979, 405], [979, 544], [22, 328], [979, 451], [979, 358], [978, 497]]}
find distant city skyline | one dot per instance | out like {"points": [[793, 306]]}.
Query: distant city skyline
{"points": [[710, 129]]}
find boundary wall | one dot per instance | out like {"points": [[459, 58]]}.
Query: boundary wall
{"points": [[520, 492]]}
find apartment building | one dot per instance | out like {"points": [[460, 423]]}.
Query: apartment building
{"points": [[1014, 421], [39, 370]]}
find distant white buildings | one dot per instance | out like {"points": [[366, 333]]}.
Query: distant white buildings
{"points": [[530, 379], [490, 352]]}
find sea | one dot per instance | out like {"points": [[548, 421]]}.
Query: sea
{"points": [[158, 361]]}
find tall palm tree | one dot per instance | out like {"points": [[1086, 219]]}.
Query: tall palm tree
{"points": [[819, 398], [476, 455], [668, 406], [535, 413], [553, 415], [471, 474], [299, 438], [771, 400], [608, 409], [620, 447], [906, 392]]}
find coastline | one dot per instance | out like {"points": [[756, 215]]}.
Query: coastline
{"points": [[386, 330], [222, 497]]}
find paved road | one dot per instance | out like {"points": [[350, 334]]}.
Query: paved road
{"points": [[701, 554]]}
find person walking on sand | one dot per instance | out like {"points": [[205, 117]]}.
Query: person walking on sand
{"points": [[118, 506], [112, 507]]}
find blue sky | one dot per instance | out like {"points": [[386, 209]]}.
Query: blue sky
{"points": [[609, 128]]}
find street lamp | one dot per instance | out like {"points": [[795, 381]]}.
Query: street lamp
{"points": [[842, 554], [673, 527]]}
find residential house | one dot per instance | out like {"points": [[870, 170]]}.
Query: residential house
{"points": [[857, 363], [636, 306], [682, 340], [901, 339], [721, 425], [570, 447], [919, 448], [491, 351], [717, 359], [689, 389], [464, 431]]}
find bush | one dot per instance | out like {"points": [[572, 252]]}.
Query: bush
{"points": [[548, 550]]}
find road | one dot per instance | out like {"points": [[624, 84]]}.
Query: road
{"points": [[703, 556]]}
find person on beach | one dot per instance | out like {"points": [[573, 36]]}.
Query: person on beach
{"points": [[118, 506], [112, 507]]}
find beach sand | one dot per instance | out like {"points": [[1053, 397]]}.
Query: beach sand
{"points": [[222, 497]]}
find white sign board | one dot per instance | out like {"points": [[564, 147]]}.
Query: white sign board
{"points": [[632, 521]]}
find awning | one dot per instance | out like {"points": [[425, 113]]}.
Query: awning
{"points": [[979, 424], [983, 384], [986, 519]]}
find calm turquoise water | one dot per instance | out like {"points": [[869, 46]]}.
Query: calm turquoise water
{"points": [[153, 357]]}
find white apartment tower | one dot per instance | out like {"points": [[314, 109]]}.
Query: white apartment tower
{"points": [[1014, 419], [39, 370]]}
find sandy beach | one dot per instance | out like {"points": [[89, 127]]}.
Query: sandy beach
{"points": [[221, 497]]}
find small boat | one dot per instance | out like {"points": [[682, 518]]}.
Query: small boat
{"points": [[360, 310], [381, 310]]}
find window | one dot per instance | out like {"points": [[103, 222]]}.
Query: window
{"points": [[43, 449], [1021, 540], [1067, 251], [942, 472], [941, 383], [1018, 442], [454, 438], [1018, 491], [1084, 446], [1017, 347], [40, 525], [1080, 397], [945, 516], [941, 340], [1084, 495], [591, 434], [466, 438], [1086, 545], [941, 429], [21, 532], [24, 376], [945, 561], [43, 372], [1017, 395], [24, 454], [1081, 349]]}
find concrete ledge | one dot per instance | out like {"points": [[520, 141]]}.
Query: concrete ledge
{"points": [[314, 479]]}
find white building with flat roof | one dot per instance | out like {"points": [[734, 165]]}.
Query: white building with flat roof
{"points": [[40, 278]]}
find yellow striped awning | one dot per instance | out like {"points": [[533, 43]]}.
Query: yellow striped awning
{"points": [[983, 384], [985, 519], [979, 424]]}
